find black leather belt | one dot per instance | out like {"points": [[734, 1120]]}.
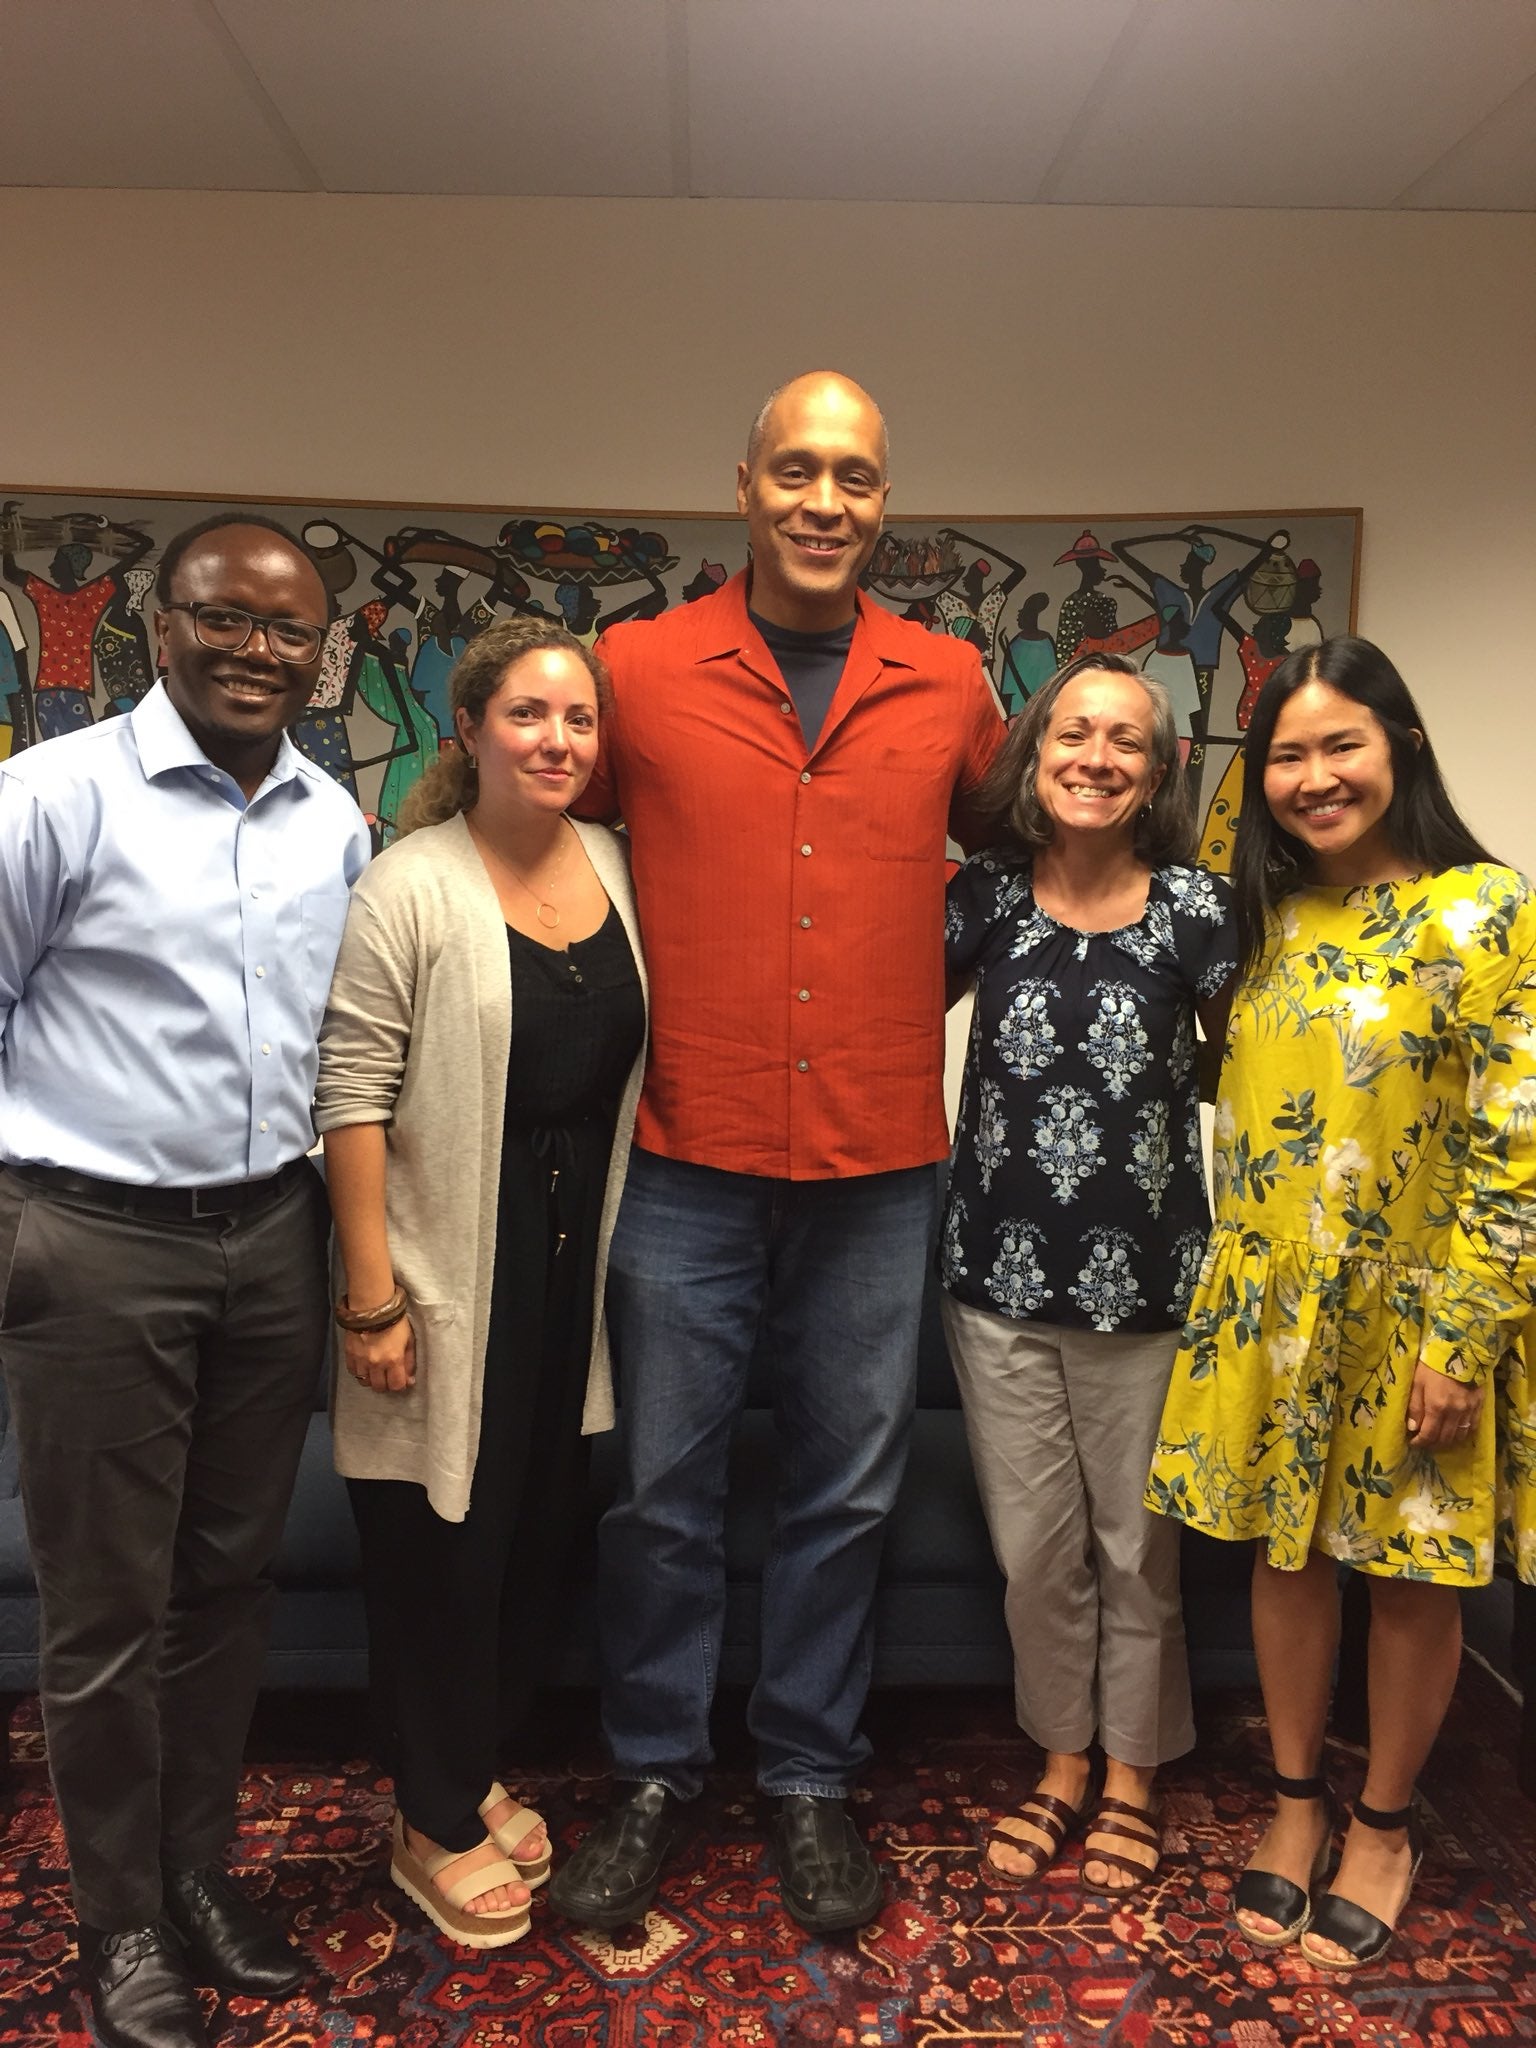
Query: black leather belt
{"points": [[171, 1205]]}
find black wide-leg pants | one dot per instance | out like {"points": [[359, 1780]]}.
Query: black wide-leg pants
{"points": [[160, 1377], [461, 1615]]}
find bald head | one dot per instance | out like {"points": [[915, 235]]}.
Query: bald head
{"points": [[829, 388], [813, 488]]}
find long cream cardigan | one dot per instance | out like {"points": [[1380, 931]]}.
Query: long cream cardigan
{"points": [[416, 1037]]}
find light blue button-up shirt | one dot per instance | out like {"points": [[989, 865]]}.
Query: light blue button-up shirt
{"points": [[166, 949]]}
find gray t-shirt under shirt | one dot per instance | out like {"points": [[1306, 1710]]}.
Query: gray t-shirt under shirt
{"points": [[811, 665]]}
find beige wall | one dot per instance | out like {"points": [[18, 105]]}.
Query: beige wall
{"points": [[609, 354]]}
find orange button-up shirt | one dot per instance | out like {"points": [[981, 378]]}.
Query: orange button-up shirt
{"points": [[792, 901]]}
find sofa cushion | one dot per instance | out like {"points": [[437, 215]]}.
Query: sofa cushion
{"points": [[16, 1580], [319, 1546]]}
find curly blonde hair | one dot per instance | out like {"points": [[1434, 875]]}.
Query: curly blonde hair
{"points": [[452, 783]]}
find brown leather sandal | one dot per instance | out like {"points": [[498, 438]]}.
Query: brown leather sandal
{"points": [[1146, 1834], [1054, 1818]]}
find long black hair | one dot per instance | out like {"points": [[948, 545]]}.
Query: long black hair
{"points": [[1422, 823]]}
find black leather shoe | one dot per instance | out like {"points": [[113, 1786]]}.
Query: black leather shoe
{"points": [[229, 1942], [141, 1995], [611, 1879], [827, 1875]]}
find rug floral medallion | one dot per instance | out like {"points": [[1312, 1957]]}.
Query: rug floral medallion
{"points": [[952, 1958]]}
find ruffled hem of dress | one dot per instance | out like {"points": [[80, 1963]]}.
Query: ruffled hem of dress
{"points": [[1236, 1530], [1292, 1298]]}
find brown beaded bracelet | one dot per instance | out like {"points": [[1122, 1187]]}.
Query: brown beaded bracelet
{"points": [[369, 1319]]}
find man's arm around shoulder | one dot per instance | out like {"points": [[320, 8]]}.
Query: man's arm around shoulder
{"points": [[984, 728]]}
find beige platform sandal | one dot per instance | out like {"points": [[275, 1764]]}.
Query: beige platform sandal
{"points": [[523, 1821], [445, 1905]]}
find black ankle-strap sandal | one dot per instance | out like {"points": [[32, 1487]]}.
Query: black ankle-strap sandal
{"points": [[1276, 1898], [1350, 1926]]}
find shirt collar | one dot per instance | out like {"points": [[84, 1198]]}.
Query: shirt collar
{"points": [[164, 742], [725, 627]]}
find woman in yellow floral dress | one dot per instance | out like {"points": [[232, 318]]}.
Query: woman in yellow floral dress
{"points": [[1352, 1364]]}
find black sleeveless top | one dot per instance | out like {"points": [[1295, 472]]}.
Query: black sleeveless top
{"points": [[578, 1020]]}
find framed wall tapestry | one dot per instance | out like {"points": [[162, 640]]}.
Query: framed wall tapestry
{"points": [[1209, 602]]}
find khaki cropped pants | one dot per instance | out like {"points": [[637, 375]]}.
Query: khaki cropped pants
{"points": [[1061, 1424]]}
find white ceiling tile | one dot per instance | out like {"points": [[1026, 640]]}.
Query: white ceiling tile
{"points": [[100, 93], [469, 95], [1425, 103], [1308, 103], [1493, 167], [888, 99]]}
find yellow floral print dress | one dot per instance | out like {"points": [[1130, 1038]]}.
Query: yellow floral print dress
{"points": [[1375, 1203]]}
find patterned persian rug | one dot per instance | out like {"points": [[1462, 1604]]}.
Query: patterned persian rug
{"points": [[951, 1960]]}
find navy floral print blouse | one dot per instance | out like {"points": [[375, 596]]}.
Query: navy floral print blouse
{"points": [[1076, 1189]]}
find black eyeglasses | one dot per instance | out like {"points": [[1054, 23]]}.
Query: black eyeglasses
{"points": [[224, 629]]}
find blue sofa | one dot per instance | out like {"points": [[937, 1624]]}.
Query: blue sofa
{"points": [[940, 1608], [940, 1605]]}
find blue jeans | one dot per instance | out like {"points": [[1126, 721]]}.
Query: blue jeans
{"points": [[831, 1272]]}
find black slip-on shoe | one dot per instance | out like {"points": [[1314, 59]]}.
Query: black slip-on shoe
{"points": [[610, 1879], [827, 1875]]}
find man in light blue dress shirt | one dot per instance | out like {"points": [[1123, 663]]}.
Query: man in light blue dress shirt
{"points": [[172, 891]]}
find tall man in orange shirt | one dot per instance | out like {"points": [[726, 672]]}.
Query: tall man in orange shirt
{"points": [[788, 758]]}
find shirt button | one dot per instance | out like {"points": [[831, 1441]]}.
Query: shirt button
{"points": [[805, 775], [805, 924], [804, 849], [788, 710], [804, 1066], [262, 1125], [265, 1050], [805, 995], [261, 974], [255, 895]]}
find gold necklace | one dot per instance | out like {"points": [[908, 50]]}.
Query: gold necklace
{"points": [[551, 922]]}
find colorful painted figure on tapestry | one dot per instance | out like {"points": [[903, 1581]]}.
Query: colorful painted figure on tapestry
{"points": [[123, 659], [15, 688], [1305, 630], [69, 605], [1088, 609], [973, 608], [1261, 652], [1189, 634], [1029, 658]]}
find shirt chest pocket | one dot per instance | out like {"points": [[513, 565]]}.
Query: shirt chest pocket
{"points": [[906, 821]]}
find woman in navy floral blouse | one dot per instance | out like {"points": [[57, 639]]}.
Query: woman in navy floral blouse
{"points": [[1073, 1233]]}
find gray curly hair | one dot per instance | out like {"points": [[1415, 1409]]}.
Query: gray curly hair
{"points": [[1009, 801]]}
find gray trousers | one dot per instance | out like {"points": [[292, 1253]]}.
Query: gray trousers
{"points": [[1061, 1425], [160, 1375]]}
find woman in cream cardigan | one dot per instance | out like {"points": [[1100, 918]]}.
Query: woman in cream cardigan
{"points": [[479, 1067]]}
